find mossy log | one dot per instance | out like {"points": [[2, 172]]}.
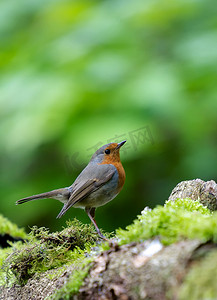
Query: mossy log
{"points": [[169, 252], [129, 272]]}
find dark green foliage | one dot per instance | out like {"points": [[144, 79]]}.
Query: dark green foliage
{"points": [[77, 74]]}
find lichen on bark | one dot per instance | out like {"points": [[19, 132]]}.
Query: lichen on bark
{"points": [[203, 191]]}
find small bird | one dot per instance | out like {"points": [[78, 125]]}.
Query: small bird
{"points": [[99, 182]]}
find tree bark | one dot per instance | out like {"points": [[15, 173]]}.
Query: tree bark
{"points": [[197, 189]]}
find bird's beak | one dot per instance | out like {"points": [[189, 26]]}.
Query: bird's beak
{"points": [[120, 144]]}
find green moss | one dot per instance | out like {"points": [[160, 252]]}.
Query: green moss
{"points": [[6, 276], [7, 227], [45, 251], [182, 218], [74, 282], [200, 283]]}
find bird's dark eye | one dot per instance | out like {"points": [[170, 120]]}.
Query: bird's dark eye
{"points": [[107, 151]]}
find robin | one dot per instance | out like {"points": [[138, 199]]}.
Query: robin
{"points": [[100, 182]]}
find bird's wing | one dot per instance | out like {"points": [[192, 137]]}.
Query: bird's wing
{"points": [[88, 182]]}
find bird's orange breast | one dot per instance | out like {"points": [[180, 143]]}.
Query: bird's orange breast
{"points": [[115, 161], [121, 174]]}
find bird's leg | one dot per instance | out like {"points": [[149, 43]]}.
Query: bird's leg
{"points": [[91, 214]]}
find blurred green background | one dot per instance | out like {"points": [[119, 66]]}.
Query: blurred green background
{"points": [[75, 75]]}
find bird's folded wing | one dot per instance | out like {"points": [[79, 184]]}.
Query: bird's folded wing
{"points": [[85, 189]]}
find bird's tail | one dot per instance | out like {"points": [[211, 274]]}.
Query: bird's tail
{"points": [[59, 194]]}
